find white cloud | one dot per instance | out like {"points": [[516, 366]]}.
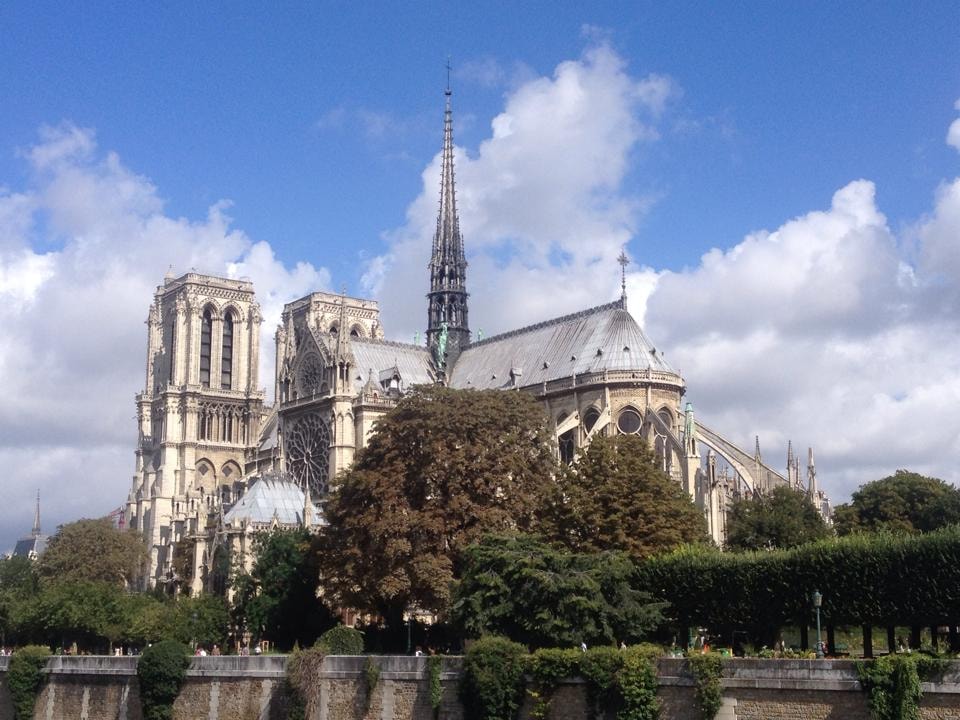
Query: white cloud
{"points": [[831, 330], [953, 133], [73, 341], [541, 201]]}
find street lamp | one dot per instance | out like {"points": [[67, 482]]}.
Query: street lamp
{"points": [[817, 599]]}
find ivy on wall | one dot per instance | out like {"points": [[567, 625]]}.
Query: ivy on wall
{"points": [[893, 684], [24, 678]]}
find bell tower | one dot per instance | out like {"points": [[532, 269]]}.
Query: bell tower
{"points": [[198, 413]]}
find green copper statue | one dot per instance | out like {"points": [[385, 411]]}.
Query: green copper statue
{"points": [[442, 346]]}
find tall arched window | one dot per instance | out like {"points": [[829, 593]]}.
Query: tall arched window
{"points": [[226, 354], [206, 329]]}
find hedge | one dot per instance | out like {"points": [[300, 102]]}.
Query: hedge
{"points": [[867, 579]]}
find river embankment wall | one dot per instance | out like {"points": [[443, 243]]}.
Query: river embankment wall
{"points": [[252, 688]]}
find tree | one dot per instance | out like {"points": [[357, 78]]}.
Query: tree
{"points": [[530, 592], [93, 550], [904, 501], [440, 470], [18, 585], [278, 598], [781, 518], [614, 497], [63, 612]]}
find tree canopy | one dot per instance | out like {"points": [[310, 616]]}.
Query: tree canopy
{"points": [[278, 598], [94, 551], [781, 518], [904, 502], [524, 589], [614, 497], [441, 469]]}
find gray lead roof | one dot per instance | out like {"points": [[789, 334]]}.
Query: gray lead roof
{"points": [[602, 338]]}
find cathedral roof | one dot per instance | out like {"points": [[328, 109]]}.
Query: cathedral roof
{"points": [[412, 362], [601, 338], [269, 498]]}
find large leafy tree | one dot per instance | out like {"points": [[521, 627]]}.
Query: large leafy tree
{"points": [[614, 497], [781, 518], [278, 599], [531, 592], [18, 586], [441, 469], [92, 550], [904, 501]]}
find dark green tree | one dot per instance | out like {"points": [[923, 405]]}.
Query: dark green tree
{"points": [[441, 469], [524, 589], [84, 612], [92, 551], [18, 585], [614, 497], [278, 599], [902, 502], [781, 518]]}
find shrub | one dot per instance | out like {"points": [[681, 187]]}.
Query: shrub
{"points": [[342, 640], [303, 672], [24, 678], [892, 684], [492, 684], [161, 671], [707, 671], [637, 681]]}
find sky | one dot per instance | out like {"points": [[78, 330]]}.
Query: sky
{"points": [[784, 176]]}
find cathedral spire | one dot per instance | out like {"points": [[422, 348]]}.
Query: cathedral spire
{"points": [[448, 329], [36, 517]]}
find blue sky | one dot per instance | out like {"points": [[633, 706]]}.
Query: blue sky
{"points": [[724, 125]]}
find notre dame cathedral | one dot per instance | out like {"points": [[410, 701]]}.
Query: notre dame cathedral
{"points": [[216, 464]]}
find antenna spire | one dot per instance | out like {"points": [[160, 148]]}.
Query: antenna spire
{"points": [[448, 92]]}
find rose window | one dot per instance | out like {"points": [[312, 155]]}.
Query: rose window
{"points": [[311, 376], [307, 442]]}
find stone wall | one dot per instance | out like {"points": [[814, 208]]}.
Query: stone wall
{"points": [[251, 688]]}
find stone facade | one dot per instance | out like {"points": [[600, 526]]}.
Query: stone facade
{"points": [[233, 688]]}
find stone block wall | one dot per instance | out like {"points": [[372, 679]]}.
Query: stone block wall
{"points": [[251, 688]]}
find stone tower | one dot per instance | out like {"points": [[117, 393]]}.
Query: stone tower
{"points": [[448, 329], [199, 411]]}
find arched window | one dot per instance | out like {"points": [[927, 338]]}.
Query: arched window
{"points": [[590, 418], [629, 422], [226, 354], [206, 329], [566, 443]]}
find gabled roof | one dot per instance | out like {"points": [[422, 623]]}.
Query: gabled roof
{"points": [[413, 362], [268, 498], [601, 338]]}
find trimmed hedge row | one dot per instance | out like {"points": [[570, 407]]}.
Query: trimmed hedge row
{"points": [[876, 579]]}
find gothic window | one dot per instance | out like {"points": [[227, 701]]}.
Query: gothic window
{"points": [[173, 344], [666, 417], [206, 330], [590, 418], [568, 447], [307, 441], [311, 375], [356, 332], [226, 354], [629, 422], [334, 329]]}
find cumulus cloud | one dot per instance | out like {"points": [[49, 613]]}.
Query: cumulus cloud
{"points": [[953, 133], [81, 251], [832, 330], [541, 201]]}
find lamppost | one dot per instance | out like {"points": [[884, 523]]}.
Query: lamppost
{"points": [[817, 599]]}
